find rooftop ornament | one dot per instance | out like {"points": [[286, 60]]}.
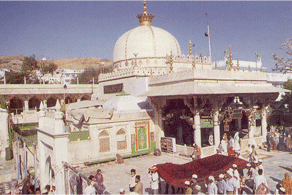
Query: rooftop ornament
{"points": [[145, 19]]}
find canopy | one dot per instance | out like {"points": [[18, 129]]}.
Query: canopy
{"points": [[214, 165]]}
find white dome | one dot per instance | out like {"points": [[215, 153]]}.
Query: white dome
{"points": [[148, 42]]}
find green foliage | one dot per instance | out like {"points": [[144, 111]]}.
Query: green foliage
{"points": [[15, 77], [288, 85], [47, 67], [29, 64], [87, 75], [3, 103], [82, 135]]}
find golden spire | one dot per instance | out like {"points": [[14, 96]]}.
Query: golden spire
{"points": [[261, 68], [249, 68], [190, 48], [215, 65], [145, 19], [171, 62], [144, 7], [230, 58], [237, 64]]}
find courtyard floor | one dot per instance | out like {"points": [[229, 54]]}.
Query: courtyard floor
{"points": [[117, 176]]}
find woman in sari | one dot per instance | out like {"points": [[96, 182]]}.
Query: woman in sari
{"points": [[287, 184]]}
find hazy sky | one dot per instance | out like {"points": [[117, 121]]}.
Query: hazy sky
{"points": [[90, 29]]}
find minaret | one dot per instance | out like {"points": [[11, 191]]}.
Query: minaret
{"points": [[145, 19], [190, 48], [230, 58], [237, 64]]}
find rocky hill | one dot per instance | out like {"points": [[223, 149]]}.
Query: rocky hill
{"points": [[14, 62]]}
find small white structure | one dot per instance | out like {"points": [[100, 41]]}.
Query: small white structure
{"points": [[4, 137], [52, 148]]}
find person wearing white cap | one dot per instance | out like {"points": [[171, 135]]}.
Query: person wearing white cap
{"points": [[250, 175], [260, 166], [197, 190], [188, 187], [212, 188], [154, 179], [282, 190], [236, 176], [194, 181], [221, 185], [122, 191], [230, 183]]}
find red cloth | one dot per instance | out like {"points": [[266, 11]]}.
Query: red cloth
{"points": [[214, 165]]}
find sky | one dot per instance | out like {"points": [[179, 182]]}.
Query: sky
{"points": [[78, 29]]}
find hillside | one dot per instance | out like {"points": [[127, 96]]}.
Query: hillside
{"points": [[14, 62]]}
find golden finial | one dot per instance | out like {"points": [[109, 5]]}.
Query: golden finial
{"points": [[171, 63], [215, 65], [144, 7], [261, 68], [237, 64], [230, 58], [145, 19], [190, 48], [249, 68]]}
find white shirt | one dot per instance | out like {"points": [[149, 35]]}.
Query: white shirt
{"points": [[231, 143], [258, 180], [236, 174], [212, 188], [89, 190], [154, 181], [132, 180]]}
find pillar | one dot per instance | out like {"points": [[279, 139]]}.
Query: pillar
{"points": [[4, 137], [60, 149], [179, 134], [197, 129], [26, 108], [251, 125], [264, 125], [216, 128], [158, 127]]}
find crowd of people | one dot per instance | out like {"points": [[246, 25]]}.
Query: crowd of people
{"points": [[279, 140]]}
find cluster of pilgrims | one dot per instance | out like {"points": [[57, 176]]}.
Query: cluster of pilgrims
{"points": [[250, 181], [230, 147]]}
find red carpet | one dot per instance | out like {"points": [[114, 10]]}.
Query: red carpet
{"points": [[214, 165]]}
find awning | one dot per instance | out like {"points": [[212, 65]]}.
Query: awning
{"points": [[202, 88]]}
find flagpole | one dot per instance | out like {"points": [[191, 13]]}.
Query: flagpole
{"points": [[209, 43]]}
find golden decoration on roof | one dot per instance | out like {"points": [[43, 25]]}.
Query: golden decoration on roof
{"points": [[230, 58], [237, 64], [145, 19], [171, 63], [190, 48]]}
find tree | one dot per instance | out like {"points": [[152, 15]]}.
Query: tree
{"points": [[47, 67], [86, 77], [14, 77], [284, 64], [29, 64]]}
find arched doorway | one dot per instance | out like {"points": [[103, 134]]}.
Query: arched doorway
{"points": [[51, 102], [68, 100], [85, 97], [34, 103], [121, 140], [175, 125], [16, 105], [104, 141]]}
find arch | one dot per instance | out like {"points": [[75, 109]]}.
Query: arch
{"points": [[104, 141], [33, 103], [68, 100], [51, 102], [16, 105], [121, 139], [85, 97]]}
